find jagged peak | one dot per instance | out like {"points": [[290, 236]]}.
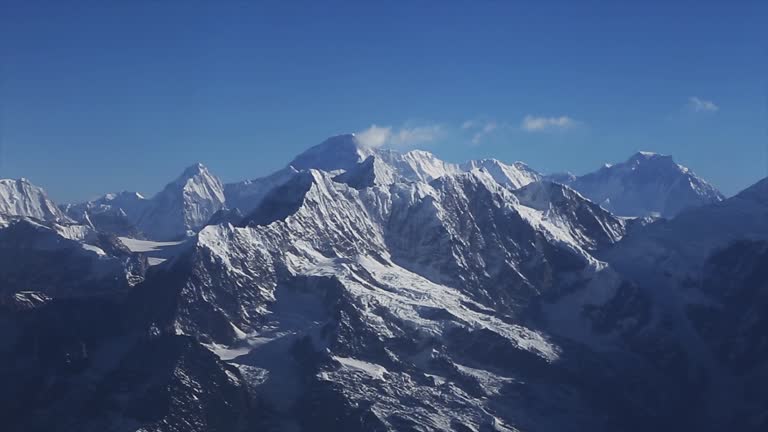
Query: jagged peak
{"points": [[515, 175], [20, 197], [419, 154], [193, 171], [19, 181], [196, 176]]}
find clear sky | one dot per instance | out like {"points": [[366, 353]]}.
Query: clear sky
{"points": [[108, 96]]}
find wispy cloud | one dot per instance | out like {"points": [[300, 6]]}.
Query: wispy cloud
{"points": [[700, 105], [532, 123], [480, 129], [376, 136], [408, 137], [469, 124]]}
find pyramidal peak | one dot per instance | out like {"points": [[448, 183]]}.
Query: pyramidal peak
{"points": [[192, 171]]}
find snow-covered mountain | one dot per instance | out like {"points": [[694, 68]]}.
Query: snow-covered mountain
{"points": [[130, 204], [188, 203], [116, 213], [180, 209], [366, 289], [340, 152], [386, 166], [22, 198], [375, 293], [646, 184], [347, 153], [514, 176], [184, 205], [247, 195]]}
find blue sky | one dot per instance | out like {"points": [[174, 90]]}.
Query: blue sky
{"points": [[100, 96]]}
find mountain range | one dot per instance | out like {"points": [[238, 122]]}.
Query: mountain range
{"points": [[367, 289]]}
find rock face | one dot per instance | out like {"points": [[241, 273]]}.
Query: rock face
{"points": [[364, 289], [646, 184], [72, 365], [64, 260]]}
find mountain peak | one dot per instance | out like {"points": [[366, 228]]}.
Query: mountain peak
{"points": [[340, 152], [184, 205], [646, 184], [194, 170], [514, 176], [646, 156], [22, 198]]}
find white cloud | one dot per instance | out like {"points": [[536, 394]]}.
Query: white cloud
{"points": [[700, 105], [480, 129], [469, 124], [376, 136], [538, 124], [485, 130], [407, 137]]}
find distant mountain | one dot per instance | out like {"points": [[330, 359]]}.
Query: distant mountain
{"points": [[116, 213], [384, 166], [22, 198], [647, 184], [183, 206], [174, 213], [129, 204], [346, 153]]}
